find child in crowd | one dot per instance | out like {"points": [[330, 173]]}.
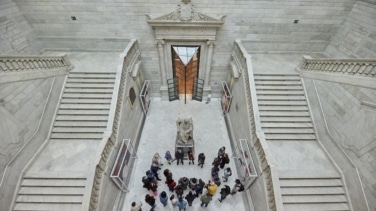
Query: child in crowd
{"points": [[191, 157], [169, 157]]}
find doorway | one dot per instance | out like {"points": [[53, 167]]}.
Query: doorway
{"points": [[185, 68]]}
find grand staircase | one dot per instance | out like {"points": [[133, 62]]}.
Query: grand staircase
{"points": [[287, 124], [56, 180]]}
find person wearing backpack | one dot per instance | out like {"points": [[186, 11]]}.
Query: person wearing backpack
{"points": [[238, 187], [226, 174], [224, 193]]}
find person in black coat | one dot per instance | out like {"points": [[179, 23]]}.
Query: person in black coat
{"points": [[201, 159], [151, 201], [224, 193], [179, 156], [154, 168], [190, 197], [199, 187], [224, 160]]}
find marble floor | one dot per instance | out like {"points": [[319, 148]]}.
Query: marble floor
{"points": [[159, 136]]}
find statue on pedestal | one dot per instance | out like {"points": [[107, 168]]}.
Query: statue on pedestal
{"points": [[185, 130]]}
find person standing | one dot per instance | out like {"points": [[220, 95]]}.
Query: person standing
{"points": [[225, 160], [183, 181], [199, 187], [221, 152], [191, 157], [157, 160], [212, 188], [190, 197], [151, 201], [179, 191], [182, 204], [238, 187], [179, 156], [226, 174], [136, 207], [224, 193], [154, 168], [163, 198], [173, 200], [205, 199], [201, 159]]}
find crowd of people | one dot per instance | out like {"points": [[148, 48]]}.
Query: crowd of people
{"points": [[185, 191]]}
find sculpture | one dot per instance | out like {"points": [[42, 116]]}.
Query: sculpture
{"points": [[185, 130]]}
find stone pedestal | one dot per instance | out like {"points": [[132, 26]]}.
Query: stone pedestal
{"points": [[190, 145]]}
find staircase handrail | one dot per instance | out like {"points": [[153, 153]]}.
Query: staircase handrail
{"points": [[99, 163], [10, 63], [268, 164], [352, 66]]}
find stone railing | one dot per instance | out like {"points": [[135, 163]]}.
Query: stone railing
{"points": [[267, 163], [28, 63], [99, 165], [359, 67]]}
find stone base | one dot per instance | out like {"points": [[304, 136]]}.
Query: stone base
{"points": [[190, 145]]}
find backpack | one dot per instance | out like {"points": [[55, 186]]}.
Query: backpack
{"points": [[241, 188]]}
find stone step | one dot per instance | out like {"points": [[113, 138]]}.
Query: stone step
{"points": [[49, 199], [279, 92], [287, 131], [77, 135], [291, 191], [314, 174], [83, 91], [317, 182], [301, 199], [83, 112], [282, 102], [87, 96], [278, 88], [84, 85], [51, 191], [46, 207], [317, 207], [85, 106], [285, 137], [43, 182], [81, 118], [286, 125], [80, 124], [77, 130], [92, 75], [85, 101], [91, 80], [56, 175], [283, 113], [277, 78], [279, 83], [283, 108], [285, 119], [281, 97]]}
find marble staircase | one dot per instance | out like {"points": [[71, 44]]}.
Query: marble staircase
{"points": [[308, 180], [56, 179]]}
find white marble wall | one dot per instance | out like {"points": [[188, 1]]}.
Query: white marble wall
{"points": [[16, 36], [357, 35], [266, 23]]}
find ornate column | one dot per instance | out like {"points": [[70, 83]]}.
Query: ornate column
{"points": [[162, 67], [207, 87]]}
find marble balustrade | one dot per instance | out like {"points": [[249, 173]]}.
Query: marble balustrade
{"points": [[28, 63], [360, 67], [267, 162]]}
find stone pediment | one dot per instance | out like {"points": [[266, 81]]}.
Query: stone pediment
{"points": [[185, 15]]}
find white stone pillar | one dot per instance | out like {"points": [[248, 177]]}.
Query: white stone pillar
{"points": [[162, 66], [209, 63]]}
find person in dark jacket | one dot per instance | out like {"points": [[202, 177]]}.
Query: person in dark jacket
{"points": [[199, 187], [192, 183], [179, 191], [183, 181], [163, 198], [224, 193], [201, 159], [179, 156], [154, 168], [151, 201], [191, 157], [216, 162], [225, 160], [168, 174], [190, 197], [217, 180], [146, 182]]}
